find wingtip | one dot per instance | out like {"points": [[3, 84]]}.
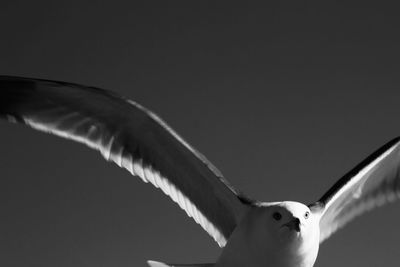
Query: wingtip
{"points": [[397, 138], [13, 91]]}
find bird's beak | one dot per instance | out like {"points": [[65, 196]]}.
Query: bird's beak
{"points": [[294, 224]]}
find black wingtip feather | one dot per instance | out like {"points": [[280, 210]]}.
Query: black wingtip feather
{"points": [[347, 177], [13, 92]]}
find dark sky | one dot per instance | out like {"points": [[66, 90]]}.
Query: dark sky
{"points": [[284, 98]]}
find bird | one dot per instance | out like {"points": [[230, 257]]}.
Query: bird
{"points": [[250, 232]]}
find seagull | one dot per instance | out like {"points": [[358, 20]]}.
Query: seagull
{"points": [[252, 233]]}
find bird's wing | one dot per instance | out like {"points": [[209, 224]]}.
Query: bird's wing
{"points": [[372, 183], [132, 137]]}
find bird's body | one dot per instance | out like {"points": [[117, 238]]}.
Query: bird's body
{"points": [[252, 233]]}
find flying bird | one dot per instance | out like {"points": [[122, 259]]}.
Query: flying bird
{"points": [[252, 233]]}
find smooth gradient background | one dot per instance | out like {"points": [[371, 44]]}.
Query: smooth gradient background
{"points": [[284, 98]]}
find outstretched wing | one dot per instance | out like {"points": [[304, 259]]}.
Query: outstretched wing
{"points": [[372, 183], [132, 137]]}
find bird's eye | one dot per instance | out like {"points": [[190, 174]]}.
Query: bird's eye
{"points": [[307, 214], [277, 216]]}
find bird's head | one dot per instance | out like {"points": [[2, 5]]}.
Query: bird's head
{"points": [[290, 221], [273, 227]]}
